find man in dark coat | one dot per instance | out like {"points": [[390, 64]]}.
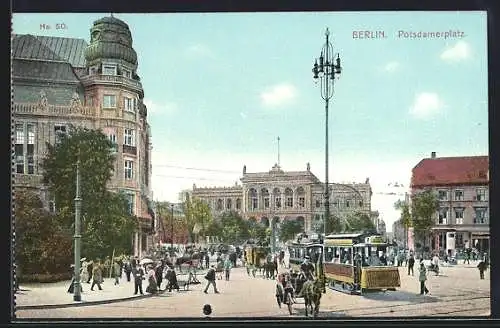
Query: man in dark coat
{"points": [[138, 273], [159, 274], [210, 276], [411, 263], [90, 266]]}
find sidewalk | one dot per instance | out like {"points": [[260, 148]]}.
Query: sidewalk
{"points": [[55, 295]]}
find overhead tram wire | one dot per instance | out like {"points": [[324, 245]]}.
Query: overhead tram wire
{"points": [[191, 178], [195, 168]]}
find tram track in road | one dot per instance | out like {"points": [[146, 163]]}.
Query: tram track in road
{"points": [[406, 307]]}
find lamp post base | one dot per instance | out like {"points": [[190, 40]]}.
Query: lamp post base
{"points": [[77, 298]]}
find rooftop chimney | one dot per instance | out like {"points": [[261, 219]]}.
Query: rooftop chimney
{"points": [[433, 154]]}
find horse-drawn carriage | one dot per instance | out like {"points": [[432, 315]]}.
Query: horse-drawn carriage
{"points": [[256, 259], [301, 284]]}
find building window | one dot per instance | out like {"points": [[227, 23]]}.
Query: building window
{"points": [[129, 137], [318, 203], [109, 69], [238, 204], [347, 203], [228, 204], [459, 194], [481, 195], [443, 216], [109, 101], [302, 202], [289, 201], [93, 70], [131, 202], [266, 202], [220, 205], [128, 104], [89, 101], [19, 148], [443, 195], [480, 216], [360, 203], [277, 201], [30, 149], [126, 73], [59, 131], [459, 240], [129, 170], [459, 216], [254, 203]]}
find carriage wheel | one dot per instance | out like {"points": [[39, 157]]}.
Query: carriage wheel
{"points": [[289, 302]]}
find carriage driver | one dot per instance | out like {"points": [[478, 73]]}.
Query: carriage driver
{"points": [[307, 268]]}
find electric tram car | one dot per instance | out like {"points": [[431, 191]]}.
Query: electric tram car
{"points": [[352, 263]]}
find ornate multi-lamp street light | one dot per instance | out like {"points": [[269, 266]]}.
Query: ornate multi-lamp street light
{"points": [[326, 68]]}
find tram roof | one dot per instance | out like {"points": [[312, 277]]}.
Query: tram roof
{"points": [[345, 235]]}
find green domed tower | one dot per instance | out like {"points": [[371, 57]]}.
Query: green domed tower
{"points": [[111, 41]]}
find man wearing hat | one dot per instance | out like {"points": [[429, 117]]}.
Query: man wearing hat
{"points": [[210, 276], [422, 278], [307, 268]]}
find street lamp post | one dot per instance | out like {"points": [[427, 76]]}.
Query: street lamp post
{"points": [[326, 71], [78, 205], [172, 229]]}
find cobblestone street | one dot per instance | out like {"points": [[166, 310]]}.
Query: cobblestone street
{"points": [[457, 292]]}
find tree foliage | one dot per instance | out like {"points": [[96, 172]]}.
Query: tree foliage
{"points": [[197, 213], [290, 228], [405, 219], [359, 222], [423, 207], [106, 221], [234, 228], [42, 246]]}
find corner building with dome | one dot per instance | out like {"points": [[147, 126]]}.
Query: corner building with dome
{"points": [[58, 82]]}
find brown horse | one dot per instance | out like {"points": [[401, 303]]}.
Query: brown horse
{"points": [[312, 291]]}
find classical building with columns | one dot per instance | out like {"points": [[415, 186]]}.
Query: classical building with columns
{"points": [[58, 82], [280, 195]]}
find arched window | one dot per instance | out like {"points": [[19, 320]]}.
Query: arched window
{"points": [[277, 198], [220, 206], [253, 204], [289, 198], [265, 197], [228, 204], [238, 204], [301, 197]]}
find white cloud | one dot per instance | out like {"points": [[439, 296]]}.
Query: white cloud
{"points": [[166, 108], [460, 51], [425, 105], [391, 66], [278, 95], [199, 50], [243, 115]]}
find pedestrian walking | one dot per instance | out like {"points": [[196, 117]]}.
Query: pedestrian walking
{"points": [[97, 275], [116, 271], [228, 264], [90, 268], [482, 266], [411, 263], [128, 269], [152, 284], [467, 256], [107, 267], [422, 278], [159, 274], [138, 273], [171, 279], [207, 260], [210, 277]]}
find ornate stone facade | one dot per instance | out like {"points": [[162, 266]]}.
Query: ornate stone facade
{"points": [[58, 82], [278, 195]]}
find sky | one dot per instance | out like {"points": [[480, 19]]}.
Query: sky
{"points": [[222, 87]]}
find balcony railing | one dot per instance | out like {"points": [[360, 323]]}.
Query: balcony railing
{"points": [[28, 180], [52, 110], [129, 150], [111, 79]]}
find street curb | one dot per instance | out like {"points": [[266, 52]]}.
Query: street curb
{"points": [[88, 303]]}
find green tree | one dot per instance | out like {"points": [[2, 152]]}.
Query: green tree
{"points": [[290, 228], [106, 221], [256, 231], [233, 227], [423, 208], [197, 212], [41, 246], [359, 222], [405, 218]]}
